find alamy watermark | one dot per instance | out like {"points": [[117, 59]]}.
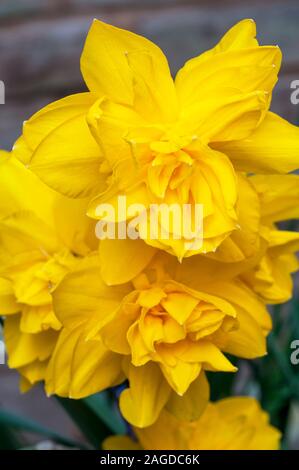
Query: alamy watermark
{"points": [[294, 357], [156, 222], [294, 85], [2, 353], [2, 92]]}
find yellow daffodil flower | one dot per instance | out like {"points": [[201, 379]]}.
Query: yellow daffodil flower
{"points": [[42, 234], [84, 315], [141, 134], [271, 277], [236, 423], [156, 331]]}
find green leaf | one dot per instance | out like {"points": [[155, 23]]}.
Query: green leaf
{"points": [[221, 384], [11, 421], [93, 427], [8, 439], [106, 409]]}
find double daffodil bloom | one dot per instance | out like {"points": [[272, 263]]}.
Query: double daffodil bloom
{"points": [[42, 234], [263, 256], [155, 331], [236, 423], [141, 134], [271, 277]]}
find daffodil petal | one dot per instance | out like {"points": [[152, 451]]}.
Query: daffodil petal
{"points": [[190, 406], [70, 150], [83, 298], [30, 195], [122, 260], [124, 66], [47, 120], [88, 367], [279, 196], [150, 390], [8, 302], [271, 148], [248, 341], [24, 348], [236, 63]]}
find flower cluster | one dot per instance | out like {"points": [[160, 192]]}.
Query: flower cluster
{"points": [[84, 315], [230, 424]]}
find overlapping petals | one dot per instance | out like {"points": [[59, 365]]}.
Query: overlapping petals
{"points": [[160, 334], [140, 134], [152, 314], [42, 234], [231, 424]]}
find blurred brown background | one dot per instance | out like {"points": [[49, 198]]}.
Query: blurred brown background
{"points": [[41, 42], [40, 46]]}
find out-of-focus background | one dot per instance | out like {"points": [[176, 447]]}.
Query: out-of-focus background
{"points": [[41, 42], [40, 46]]}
